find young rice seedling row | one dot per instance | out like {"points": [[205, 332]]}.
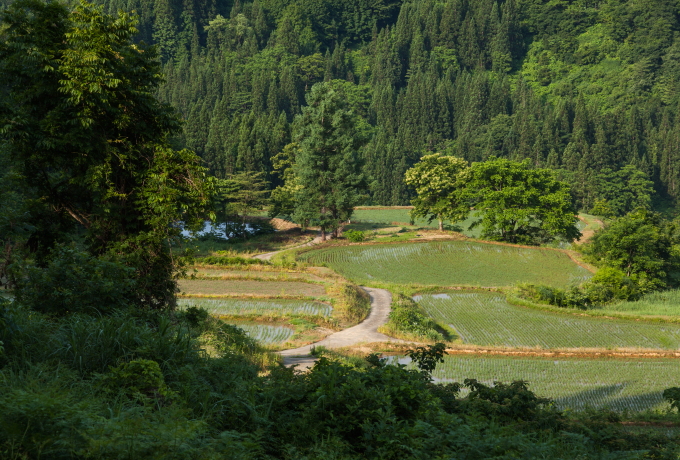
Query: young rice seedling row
{"points": [[258, 307], [451, 263], [486, 318]]}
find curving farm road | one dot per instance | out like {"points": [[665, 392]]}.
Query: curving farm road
{"points": [[364, 332]]}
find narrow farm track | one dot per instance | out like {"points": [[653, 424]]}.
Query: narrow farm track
{"points": [[269, 255], [364, 332]]}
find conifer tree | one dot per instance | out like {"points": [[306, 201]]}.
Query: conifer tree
{"points": [[327, 167]]}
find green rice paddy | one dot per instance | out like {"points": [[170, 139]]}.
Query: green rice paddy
{"points": [[266, 334], [450, 263], [258, 307], [575, 383], [486, 318], [665, 303]]}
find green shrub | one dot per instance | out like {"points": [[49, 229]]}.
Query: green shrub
{"points": [[140, 380], [74, 281], [408, 321], [608, 284], [672, 395], [355, 236]]}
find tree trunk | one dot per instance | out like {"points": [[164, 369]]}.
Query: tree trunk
{"points": [[441, 225], [323, 234]]}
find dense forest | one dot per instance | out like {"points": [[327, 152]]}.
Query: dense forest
{"points": [[589, 87]]}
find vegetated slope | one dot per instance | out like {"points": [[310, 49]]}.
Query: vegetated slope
{"points": [[258, 307], [450, 263], [484, 318], [633, 385]]}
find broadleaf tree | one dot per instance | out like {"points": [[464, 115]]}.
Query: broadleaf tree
{"points": [[439, 182], [328, 166], [86, 134], [520, 204]]}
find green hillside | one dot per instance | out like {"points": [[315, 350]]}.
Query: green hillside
{"points": [[586, 87]]}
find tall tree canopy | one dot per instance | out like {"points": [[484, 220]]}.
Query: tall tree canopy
{"points": [[439, 182], [328, 168], [83, 128]]}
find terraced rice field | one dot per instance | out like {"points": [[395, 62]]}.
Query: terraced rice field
{"points": [[450, 263], [266, 334], [666, 303], [484, 318], [223, 287], [258, 307], [633, 385]]}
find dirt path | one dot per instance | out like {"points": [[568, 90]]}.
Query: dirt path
{"points": [[364, 332]]}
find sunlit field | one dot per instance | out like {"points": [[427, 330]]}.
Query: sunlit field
{"points": [[451, 263], [484, 318]]}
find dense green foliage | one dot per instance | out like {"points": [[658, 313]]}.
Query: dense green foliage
{"points": [[87, 143], [439, 182], [641, 245], [327, 168], [520, 204], [74, 282], [585, 87], [127, 387]]}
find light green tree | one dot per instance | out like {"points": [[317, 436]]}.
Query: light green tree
{"points": [[439, 182], [520, 204]]}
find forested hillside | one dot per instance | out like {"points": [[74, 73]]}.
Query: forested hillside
{"points": [[584, 86]]}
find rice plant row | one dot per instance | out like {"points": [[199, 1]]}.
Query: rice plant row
{"points": [[451, 263], [266, 334], [633, 385], [484, 318], [258, 307]]}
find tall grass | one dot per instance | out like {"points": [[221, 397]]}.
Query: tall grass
{"points": [[484, 318]]}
